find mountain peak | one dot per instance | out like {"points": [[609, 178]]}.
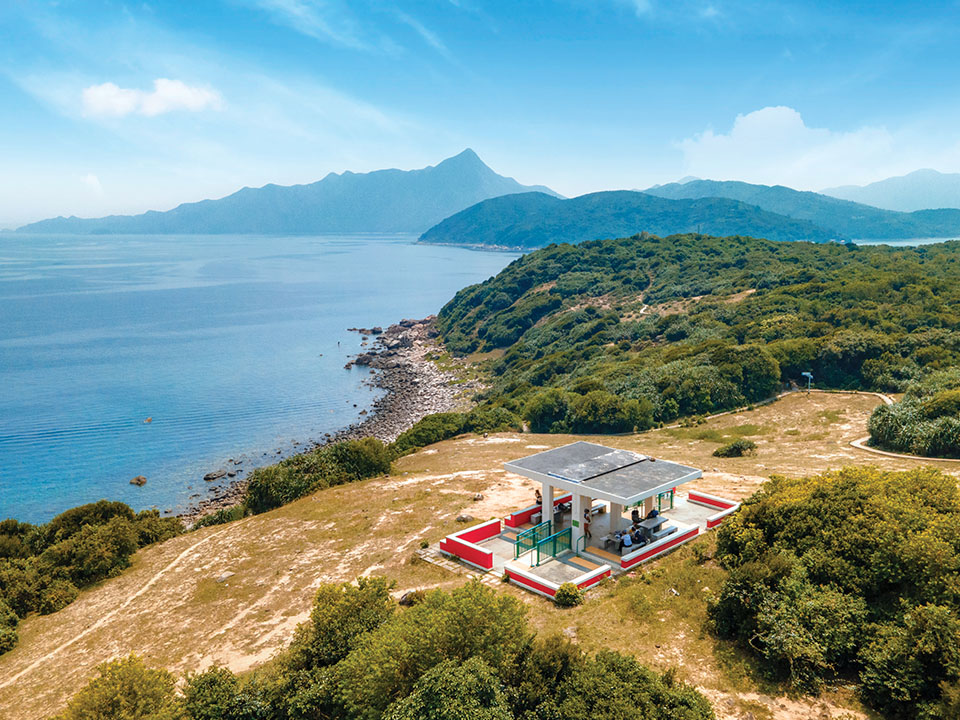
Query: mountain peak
{"points": [[465, 159]]}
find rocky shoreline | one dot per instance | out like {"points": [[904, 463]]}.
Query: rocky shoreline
{"points": [[414, 388]]}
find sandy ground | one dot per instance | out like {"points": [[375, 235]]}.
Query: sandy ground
{"points": [[233, 594]]}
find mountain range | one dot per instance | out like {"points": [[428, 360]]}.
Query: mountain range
{"points": [[382, 201], [841, 218], [919, 190], [532, 220]]}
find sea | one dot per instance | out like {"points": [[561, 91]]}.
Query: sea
{"points": [[173, 356]]}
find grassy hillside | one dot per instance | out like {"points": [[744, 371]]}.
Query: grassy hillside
{"points": [[533, 220], [849, 219], [616, 334], [232, 595]]}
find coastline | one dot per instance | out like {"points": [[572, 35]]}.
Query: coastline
{"points": [[414, 388]]}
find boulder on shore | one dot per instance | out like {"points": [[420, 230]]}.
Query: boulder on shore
{"points": [[215, 475]]}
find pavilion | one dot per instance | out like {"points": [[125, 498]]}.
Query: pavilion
{"points": [[591, 472]]}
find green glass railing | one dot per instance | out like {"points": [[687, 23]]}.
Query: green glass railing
{"points": [[528, 539]]}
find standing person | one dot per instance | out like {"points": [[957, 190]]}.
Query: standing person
{"points": [[586, 523], [539, 497]]}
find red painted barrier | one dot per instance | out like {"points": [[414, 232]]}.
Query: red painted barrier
{"points": [[521, 517], [711, 500], [654, 551], [479, 533], [531, 584], [468, 552], [594, 580]]}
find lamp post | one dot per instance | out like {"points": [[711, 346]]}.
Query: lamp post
{"points": [[809, 377]]}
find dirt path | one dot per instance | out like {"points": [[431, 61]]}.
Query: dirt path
{"points": [[109, 616]]}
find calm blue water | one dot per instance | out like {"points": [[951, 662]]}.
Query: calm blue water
{"points": [[230, 344]]}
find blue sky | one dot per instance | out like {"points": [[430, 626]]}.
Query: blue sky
{"points": [[121, 107]]}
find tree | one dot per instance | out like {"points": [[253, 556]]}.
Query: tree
{"points": [[454, 691], [126, 690], [343, 614], [471, 621]]}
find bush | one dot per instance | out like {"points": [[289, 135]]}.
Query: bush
{"points": [[297, 476], [221, 516], [845, 574], [738, 448], [454, 690], [56, 596], [8, 627], [126, 690], [568, 595]]}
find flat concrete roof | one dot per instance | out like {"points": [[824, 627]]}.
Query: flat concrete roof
{"points": [[603, 473]]}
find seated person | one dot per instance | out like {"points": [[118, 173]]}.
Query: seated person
{"points": [[637, 538], [625, 541], [635, 515], [652, 514]]}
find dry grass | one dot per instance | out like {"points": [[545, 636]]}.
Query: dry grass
{"points": [[184, 619]]}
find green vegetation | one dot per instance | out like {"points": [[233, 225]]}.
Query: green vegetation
{"points": [[612, 335], [299, 475], [534, 220], [43, 567], [738, 448], [926, 421], [353, 460], [126, 690], [568, 595], [850, 574], [464, 654]]}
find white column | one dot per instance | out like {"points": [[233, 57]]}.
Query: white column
{"points": [[576, 521], [547, 507], [616, 516]]}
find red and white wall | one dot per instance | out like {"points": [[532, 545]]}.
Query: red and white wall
{"points": [[464, 545], [723, 506], [684, 533], [522, 576]]}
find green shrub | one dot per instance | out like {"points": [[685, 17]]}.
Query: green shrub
{"points": [[56, 596], [8, 627], [568, 595], [737, 448], [221, 516], [126, 690], [848, 574], [431, 429], [454, 690], [297, 476]]}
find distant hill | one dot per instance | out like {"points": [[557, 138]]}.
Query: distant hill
{"points": [[849, 219], [920, 190], [381, 201], [533, 220]]}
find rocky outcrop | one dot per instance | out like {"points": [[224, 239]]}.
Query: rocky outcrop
{"points": [[139, 481]]}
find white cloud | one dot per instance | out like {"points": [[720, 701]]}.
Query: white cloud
{"points": [[110, 100], [429, 37], [326, 21], [92, 182], [774, 146]]}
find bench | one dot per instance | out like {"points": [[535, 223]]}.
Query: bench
{"points": [[660, 534]]}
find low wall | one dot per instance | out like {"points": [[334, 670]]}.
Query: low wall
{"points": [[726, 507], [529, 581], [648, 552], [462, 544], [521, 517]]}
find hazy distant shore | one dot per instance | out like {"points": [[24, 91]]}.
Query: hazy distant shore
{"points": [[414, 388]]}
